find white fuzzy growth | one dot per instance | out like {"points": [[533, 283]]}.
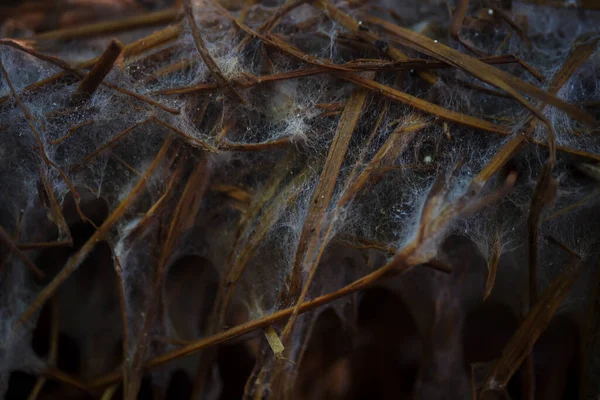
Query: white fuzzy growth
{"points": [[15, 339], [288, 108]]}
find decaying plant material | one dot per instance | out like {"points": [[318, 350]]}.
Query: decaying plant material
{"points": [[234, 173]]}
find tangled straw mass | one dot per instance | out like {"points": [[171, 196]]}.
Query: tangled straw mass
{"points": [[230, 172]]}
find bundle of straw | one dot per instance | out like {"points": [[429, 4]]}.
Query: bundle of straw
{"points": [[300, 200]]}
